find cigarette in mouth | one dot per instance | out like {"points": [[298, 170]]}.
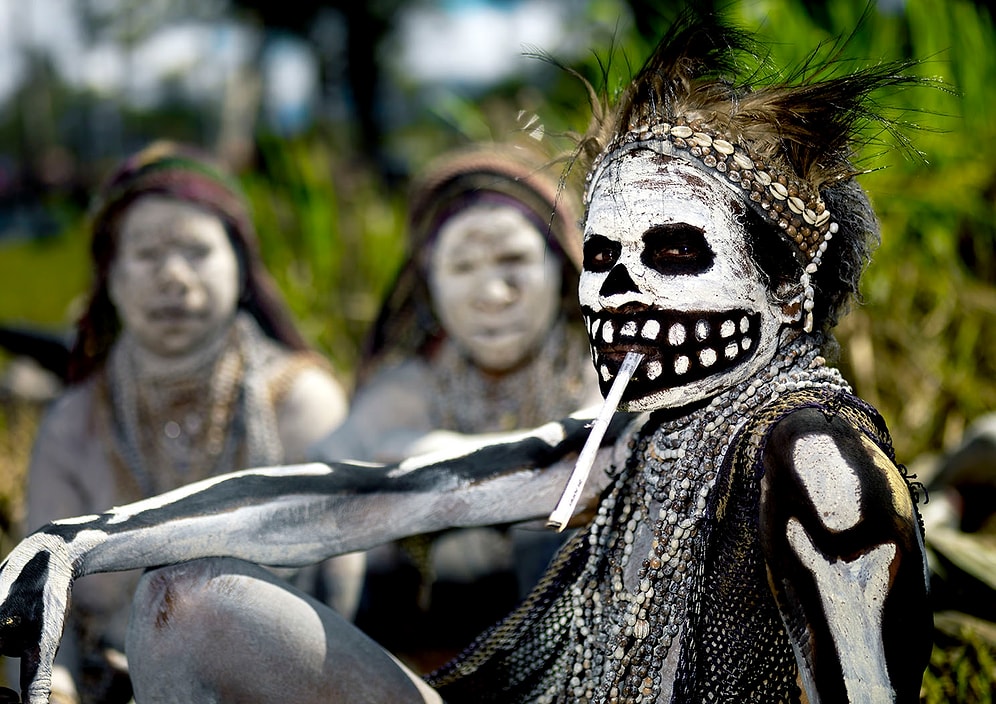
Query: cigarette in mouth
{"points": [[572, 491]]}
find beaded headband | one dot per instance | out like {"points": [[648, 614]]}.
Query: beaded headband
{"points": [[798, 213], [177, 170]]}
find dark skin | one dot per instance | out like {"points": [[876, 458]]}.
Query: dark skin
{"points": [[885, 526]]}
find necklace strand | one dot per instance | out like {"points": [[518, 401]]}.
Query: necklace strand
{"points": [[631, 601]]}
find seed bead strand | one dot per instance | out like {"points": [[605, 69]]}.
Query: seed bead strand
{"points": [[623, 632]]}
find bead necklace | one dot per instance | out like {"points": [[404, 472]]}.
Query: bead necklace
{"points": [[210, 417], [468, 400], [630, 602]]}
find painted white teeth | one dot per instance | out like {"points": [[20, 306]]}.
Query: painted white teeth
{"points": [[607, 331], [681, 364], [676, 334]]}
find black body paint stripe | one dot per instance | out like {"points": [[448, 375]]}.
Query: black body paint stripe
{"points": [[347, 478]]}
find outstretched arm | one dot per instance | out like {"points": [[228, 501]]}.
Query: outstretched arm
{"points": [[283, 516], [845, 560]]}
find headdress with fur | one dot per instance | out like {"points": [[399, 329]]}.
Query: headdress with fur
{"points": [[786, 144]]}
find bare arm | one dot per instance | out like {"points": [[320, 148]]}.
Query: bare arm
{"points": [[846, 561], [312, 406], [284, 516]]}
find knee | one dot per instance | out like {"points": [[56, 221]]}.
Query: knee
{"points": [[172, 629], [168, 598]]}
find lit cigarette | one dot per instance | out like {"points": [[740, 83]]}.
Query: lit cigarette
{"points": [[572, 491]]}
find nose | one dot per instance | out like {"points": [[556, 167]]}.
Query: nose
{"points": [[618, 281], [175, 274], [496, 292]]}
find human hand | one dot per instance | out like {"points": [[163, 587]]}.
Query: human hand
{"points": [[35, 582]]}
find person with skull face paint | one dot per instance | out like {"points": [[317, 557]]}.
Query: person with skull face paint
{"points": [[748, 536]]}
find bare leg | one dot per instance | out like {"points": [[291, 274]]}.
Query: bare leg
{"points": [[223, 630]]}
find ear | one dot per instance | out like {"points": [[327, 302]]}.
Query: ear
{"points": [[789, 299]]}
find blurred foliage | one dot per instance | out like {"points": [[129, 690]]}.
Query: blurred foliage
{"points": [[331, 234], [43, 277], [921, 346], [963, 662], [18, 423]]}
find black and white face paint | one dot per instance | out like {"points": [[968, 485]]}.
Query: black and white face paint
{"points": [[668, 273]]}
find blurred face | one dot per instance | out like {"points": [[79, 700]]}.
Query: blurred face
{"points": [[175, 280], [668, 272], [494, 284]]}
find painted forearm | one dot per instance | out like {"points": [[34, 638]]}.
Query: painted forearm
{"points": [[285, 516], [300, 514]]}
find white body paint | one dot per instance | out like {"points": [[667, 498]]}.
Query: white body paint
{"points": [[458, 446], [628, 201], [120, 514], [830, 482], [175, 280], [54, 597], [494, 285], [853, 595]]}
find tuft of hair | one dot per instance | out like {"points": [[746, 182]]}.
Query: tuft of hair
{"points": [[809, 122]]}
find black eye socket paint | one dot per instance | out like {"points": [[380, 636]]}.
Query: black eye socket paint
{"points": [[677, 249], [600, 253], [561, 515]]}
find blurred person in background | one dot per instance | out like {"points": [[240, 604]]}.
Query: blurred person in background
{"points": [[186, 365], [480, 333]]}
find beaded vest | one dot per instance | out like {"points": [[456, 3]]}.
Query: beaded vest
{"points": [[663, 597]]}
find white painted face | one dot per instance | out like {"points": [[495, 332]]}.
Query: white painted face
{"points": [[175, 279], [667, 272], [494, 283]]}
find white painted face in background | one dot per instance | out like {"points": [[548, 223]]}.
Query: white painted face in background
{"points": [[175, 279], [667, 272], [494, 283]]}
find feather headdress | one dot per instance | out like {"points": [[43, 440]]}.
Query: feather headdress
{"points": [[786, 144]]}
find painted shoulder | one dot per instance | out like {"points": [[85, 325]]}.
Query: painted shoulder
{"points": [[845, 558], [835, 470]]}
